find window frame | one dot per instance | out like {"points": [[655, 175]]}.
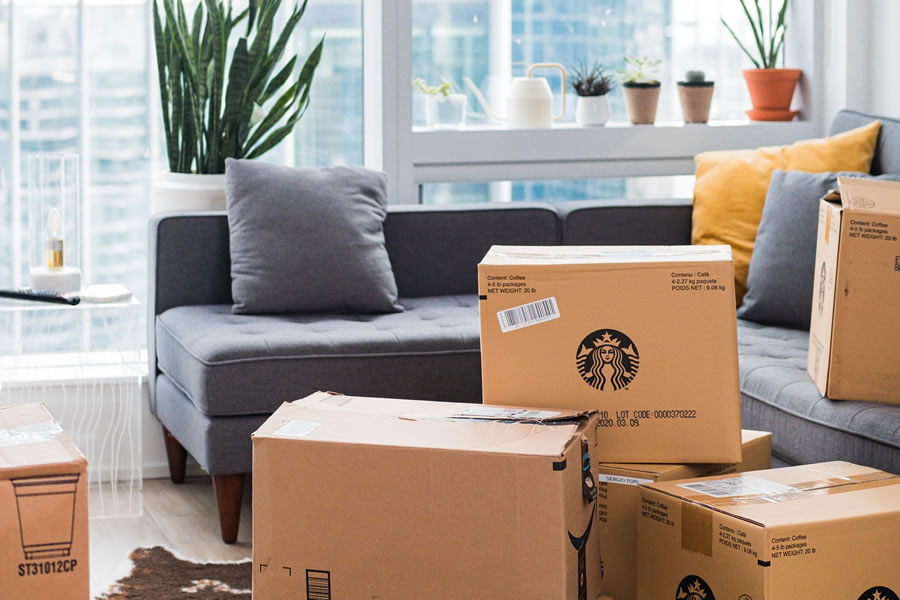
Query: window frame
{"points": [[413, 157]]}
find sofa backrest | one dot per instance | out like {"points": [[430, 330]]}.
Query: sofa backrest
{"points": [[887, 149], [434, 248], [661, 222]]}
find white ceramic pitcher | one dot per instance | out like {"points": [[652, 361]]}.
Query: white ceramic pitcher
{"points": [[529, 101]]}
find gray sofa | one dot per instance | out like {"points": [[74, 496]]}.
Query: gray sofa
{"points": [[215, 376]]}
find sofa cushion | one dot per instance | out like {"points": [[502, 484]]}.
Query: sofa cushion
{"points": [[778, 395], [887, 148], [780, 283], [308, 240], [658, 222], [435, 249], [231, 364], [731, 186]]}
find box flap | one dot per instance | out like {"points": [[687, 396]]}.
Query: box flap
{"points": [[793, 494], [870, 195], [31, 440], [328, 417], [555, 255]]}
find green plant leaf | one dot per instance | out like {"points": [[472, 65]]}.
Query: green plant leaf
{"points": [[756, 34], [277, 81], [739, 43], [238, 76]]}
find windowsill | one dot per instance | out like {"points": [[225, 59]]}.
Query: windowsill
{"points": [[492, 153], [614, 125]]}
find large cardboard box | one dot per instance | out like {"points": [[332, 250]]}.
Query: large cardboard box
{"points": [[375, 498], [646, 335], [619, 506], [43, 508], [827, 530], [854, 336]]}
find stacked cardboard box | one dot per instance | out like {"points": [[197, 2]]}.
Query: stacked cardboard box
{"points": [[43, 508], [645, 335], [857, 296], [818, 531], [619, 506], [376, 498]]}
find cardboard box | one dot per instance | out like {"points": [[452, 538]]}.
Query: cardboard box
{"points": [[618, 506], [854, 335], [646, 335], [827, 530], [43, 508], [375, 498]]}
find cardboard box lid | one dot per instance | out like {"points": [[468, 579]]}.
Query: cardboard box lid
{"points": [[793, 495], [32, 443], [657, 471], [334, 418], [867, 195], [588, 255]]}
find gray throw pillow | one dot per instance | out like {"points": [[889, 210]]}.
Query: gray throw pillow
{"points": [[308, 240], [781, 278]]}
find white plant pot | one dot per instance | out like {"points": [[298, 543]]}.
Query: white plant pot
{"points": [[445, 112], [592, 111], [187, 192]]}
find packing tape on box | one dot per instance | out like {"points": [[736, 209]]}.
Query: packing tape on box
{"points": [[30, 434]]}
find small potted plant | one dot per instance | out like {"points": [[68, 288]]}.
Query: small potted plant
{"points": [[443, 108], [771, 89], [695, 94], [592, 84], [641, 89]]}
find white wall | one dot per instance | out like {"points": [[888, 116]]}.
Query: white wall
{"points": [[884, 57]]}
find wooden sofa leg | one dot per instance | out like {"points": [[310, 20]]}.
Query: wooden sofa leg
{"points": [[176, 455], [229, 493]]}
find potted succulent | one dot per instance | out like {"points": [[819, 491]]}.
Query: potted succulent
{"points": [[592, 84], [695, 94], [444, 109], [771, 88], [214, 106], [641, 89]]}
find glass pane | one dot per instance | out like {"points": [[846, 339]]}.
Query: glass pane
{"points": [[6, 248], [331, 131], [118, 106], [560, 190], [490, 41]]}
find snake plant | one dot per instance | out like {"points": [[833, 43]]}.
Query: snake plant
{"points": [[769, 43], [208, 116]]}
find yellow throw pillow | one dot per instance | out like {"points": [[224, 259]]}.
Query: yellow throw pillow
{"points": [[731, 186]]}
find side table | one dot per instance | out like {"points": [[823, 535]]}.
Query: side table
{"points": [[86, 364]]}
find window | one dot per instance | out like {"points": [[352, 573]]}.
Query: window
{"points": [[80, 77], [490, 41], [560, 190]]}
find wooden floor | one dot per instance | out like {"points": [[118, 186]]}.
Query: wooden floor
{"points": [[182, 518]]}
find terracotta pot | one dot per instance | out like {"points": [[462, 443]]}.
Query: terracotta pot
{"points": [[771, 89], [641, 100], [695, 101]]}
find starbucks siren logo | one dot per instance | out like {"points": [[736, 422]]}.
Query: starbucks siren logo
{"points": [[879, 592], [693, 587], [607, 360]]}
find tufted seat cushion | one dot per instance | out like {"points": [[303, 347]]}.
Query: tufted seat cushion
{"points": [[229, 364], [778, 395]]}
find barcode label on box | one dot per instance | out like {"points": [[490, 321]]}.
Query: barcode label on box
{"points": [[318, 585], [528, 314], [489, 412], [295, 429], [746, 485]]}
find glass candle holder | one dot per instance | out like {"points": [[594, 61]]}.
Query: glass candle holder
{"points": [[54, 220]]}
